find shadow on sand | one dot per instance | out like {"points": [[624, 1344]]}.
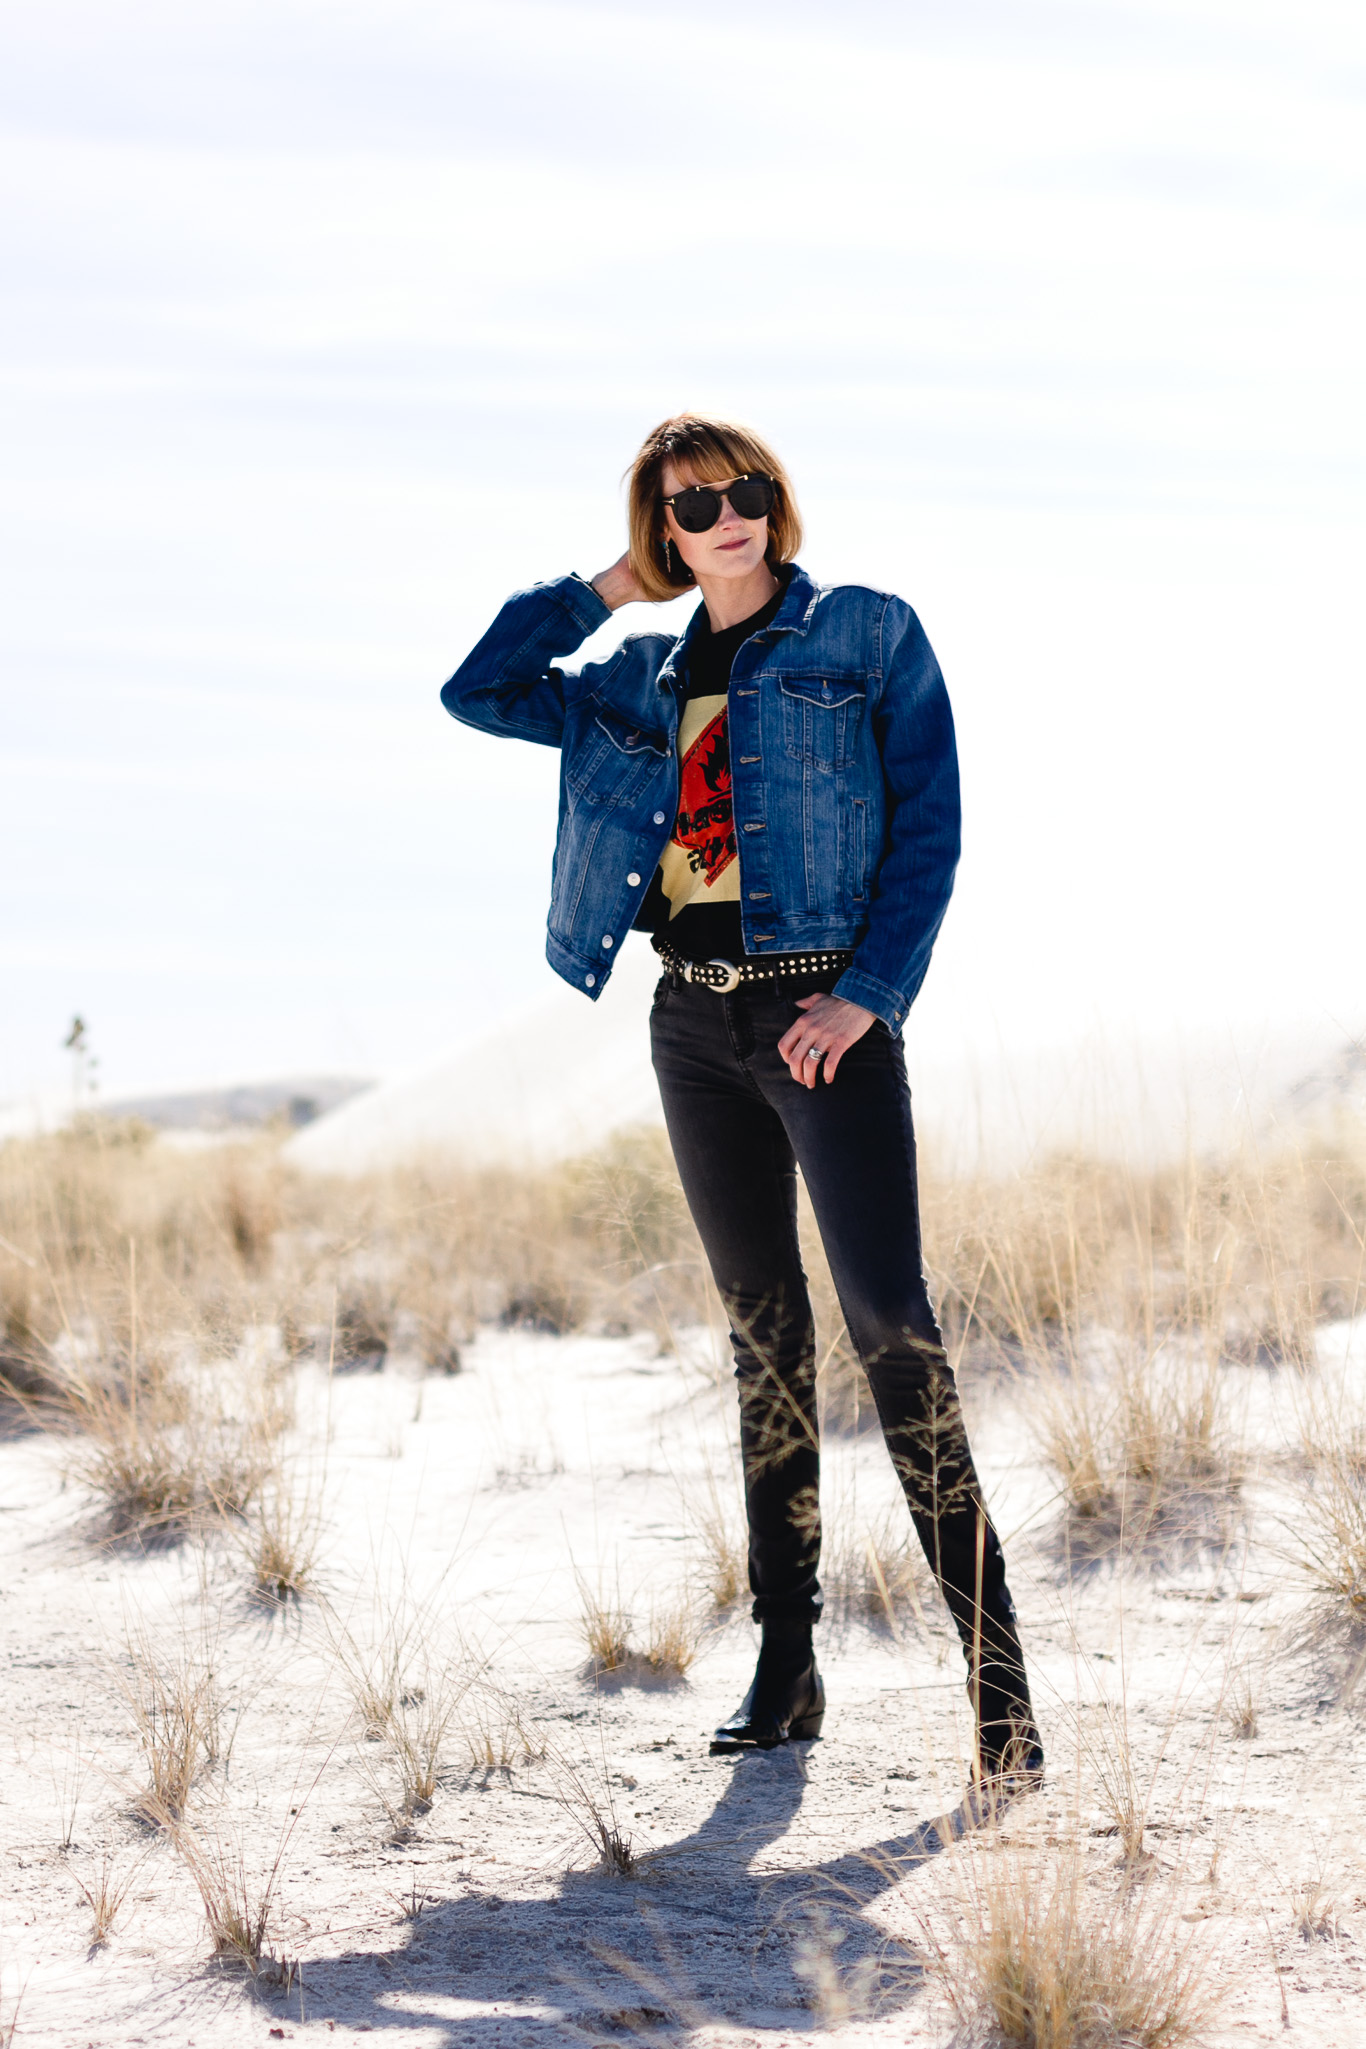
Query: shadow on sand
{"points": [[701, 1937]]}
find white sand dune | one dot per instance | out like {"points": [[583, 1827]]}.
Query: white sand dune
{"points": [[543, 1086], [567, 1073]]}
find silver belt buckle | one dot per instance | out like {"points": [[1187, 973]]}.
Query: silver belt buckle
{"points": [[732, 980]]}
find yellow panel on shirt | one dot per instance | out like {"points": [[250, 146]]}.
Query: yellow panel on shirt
{"points": [[699, 866]]}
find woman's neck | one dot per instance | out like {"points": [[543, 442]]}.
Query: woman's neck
{"points": [[729, 599]]}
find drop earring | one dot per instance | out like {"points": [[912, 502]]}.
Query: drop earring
{"points": [[668, 560]]}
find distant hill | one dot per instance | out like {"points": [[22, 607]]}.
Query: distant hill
{"points": [[298, 1101]]}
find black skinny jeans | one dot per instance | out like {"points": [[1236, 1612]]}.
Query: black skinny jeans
{"points": [[740, 1126]]}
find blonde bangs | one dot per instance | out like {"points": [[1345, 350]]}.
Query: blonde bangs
{"points": [[714, 450]]}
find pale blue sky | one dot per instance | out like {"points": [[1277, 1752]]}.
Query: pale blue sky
{"points": [[325, 325]]}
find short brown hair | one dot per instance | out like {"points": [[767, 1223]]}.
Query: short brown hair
{"points": [[713, 450]]}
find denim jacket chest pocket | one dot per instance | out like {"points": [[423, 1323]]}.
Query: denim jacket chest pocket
{"points": [[610, 760], [821, 719]]}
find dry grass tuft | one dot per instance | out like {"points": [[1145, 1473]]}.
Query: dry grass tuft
{"points": [[874, 1571], [177, 1712], [673, 1638], [1329, 1530], [281, 1544], [1043, 1956], [1240, 1707], [418, 1731], [409, 1692], [585, 1793], [1314, 1911], [238, 1908], [718, 1523], [163, 1445], [1244, 1254], [605, 1627], [104, 1893], [1124, 1294], [1144, 1449], [496, 1736]]}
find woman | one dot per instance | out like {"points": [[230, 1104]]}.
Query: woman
{"points": [[794, 909]]}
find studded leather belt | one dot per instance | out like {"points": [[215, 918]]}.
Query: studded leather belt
{"points": [[721, 976]]}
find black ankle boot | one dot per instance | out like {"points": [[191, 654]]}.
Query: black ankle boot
{"points": [[787, 1698], [1009, 1757]]}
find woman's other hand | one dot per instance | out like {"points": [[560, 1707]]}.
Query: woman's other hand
{"points": [[617, 586], [831, 1026]]}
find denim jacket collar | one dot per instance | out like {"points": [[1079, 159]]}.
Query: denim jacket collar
{"points": [[794, 615]]}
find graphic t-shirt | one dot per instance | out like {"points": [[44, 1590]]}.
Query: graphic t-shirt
{"points": [[694, 899]]}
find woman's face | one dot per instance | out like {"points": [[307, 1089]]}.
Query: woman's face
{"points": [[733, 547]]}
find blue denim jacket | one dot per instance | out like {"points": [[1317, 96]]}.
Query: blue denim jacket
{"points": [[844, 775]]}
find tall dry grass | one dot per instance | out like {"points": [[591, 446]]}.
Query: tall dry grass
{"points": [[153, 1299], [1124, 1295], [1243, 1255], [113, 1245]]}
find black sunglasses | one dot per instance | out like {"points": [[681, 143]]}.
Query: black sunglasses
{"points": [[699, 507]]}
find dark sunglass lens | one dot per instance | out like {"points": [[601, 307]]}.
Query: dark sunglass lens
{"points": [[696, 509], [752, 497]]}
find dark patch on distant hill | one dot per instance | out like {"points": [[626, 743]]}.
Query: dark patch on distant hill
{"points": [[297, 1101]]}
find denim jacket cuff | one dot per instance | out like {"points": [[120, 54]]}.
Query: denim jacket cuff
{"points": [[581, 601], [884, 1002]]}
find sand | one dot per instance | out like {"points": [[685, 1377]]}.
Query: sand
{"points": [[777, 1896]]}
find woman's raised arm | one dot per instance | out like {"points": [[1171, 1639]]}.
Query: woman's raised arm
{"points": [[508, 683]]}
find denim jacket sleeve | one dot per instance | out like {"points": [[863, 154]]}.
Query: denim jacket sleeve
{"points": [[914, 728], [506, 684]]}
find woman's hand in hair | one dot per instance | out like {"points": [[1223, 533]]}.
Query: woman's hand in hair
{"points": [[617, 586], [830, 1024]]}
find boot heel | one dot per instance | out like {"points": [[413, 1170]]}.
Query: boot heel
{"points": [[808, 1728]]}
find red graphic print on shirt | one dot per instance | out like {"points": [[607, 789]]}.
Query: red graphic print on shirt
{"points": [[705, 827]]}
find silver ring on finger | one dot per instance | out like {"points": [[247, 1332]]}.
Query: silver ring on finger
{"points": [[815, 1052]]}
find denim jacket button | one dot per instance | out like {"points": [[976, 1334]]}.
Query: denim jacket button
{"points": [[589, 980], [659, 818], [633, 880], [608, 940]]}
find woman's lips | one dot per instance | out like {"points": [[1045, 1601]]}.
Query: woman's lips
{"points": [[729, 547]]}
